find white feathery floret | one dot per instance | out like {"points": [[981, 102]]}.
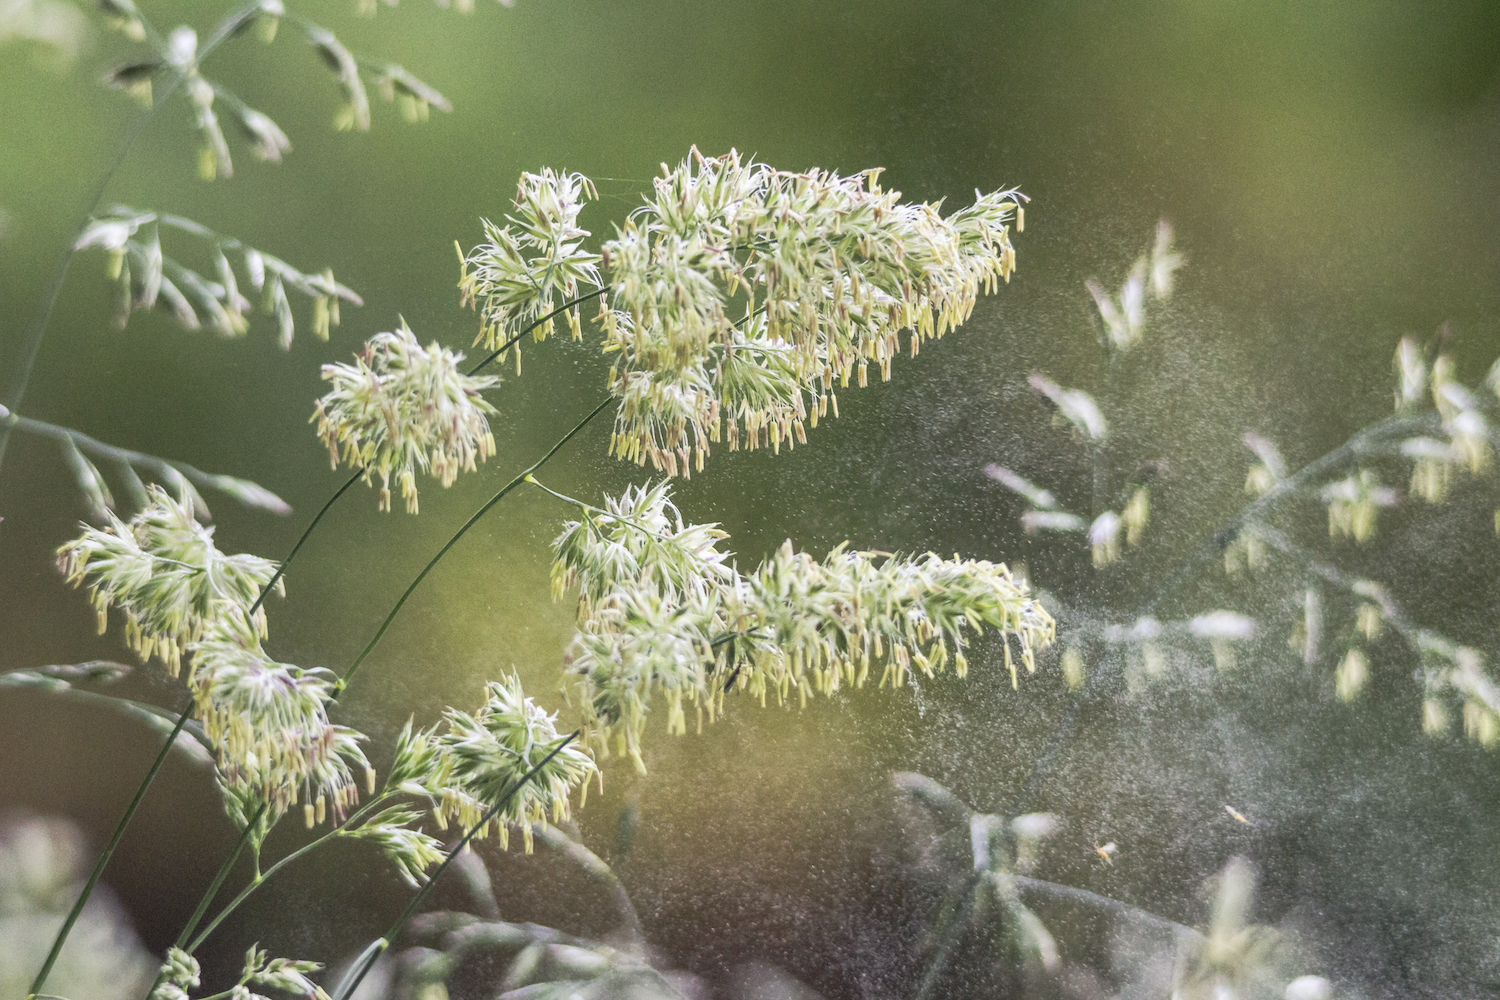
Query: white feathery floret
{"points": [[486, 756], [162, 570], [404, 408], [268, 724], [513, 277], [661, 612]]}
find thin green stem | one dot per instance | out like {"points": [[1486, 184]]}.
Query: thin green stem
{"points": [[260, 877], [517, 481], [219, 877], [570, 500], [366, 960], [256, 883], [305, 534], [1360, 587], [551, 315], [109, 850], [592, 512], [221, 994], [62, 934], [213, 890], [1357, 444]]}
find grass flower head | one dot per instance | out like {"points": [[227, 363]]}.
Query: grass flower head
{"points": [[403, 408], [514, 277], [795, 626], [162, 570], [269, 725], [487, 755], [740, 293]]}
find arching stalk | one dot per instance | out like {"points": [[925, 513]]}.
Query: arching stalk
{"points": [[517, 481]]}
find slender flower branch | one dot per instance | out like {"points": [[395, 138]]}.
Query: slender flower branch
{"points": [[1365, 440], [38, 328], [1396, 425], [104, 856], [366, 960], [1360, 587], [1068, 892], [249, 493], [474, 519]]}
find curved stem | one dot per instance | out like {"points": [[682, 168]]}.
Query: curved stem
{"points": [[1357, 444], [305, 534], [109, 850], [551, 315], [366, 960], [1360, 587], [517, 481], [219, 877], [67, 927], [587, 507], [186, 935], [256, 883]]}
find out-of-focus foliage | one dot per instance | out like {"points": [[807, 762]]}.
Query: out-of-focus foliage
{"points": [[42, 864]]}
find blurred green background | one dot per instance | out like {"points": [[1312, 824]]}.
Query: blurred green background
{"points": [[1332, 174]]}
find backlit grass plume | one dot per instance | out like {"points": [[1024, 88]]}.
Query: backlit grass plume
{"points": [[739, 294], [268, 724], [464, 767], [162, 570], [825, 622], [516, 276], [404, 408], [660, 612], [485, 756]]}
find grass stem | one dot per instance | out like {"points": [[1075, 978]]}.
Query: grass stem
{"points": [[474, 519], [108, 852], [367, 958]]}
